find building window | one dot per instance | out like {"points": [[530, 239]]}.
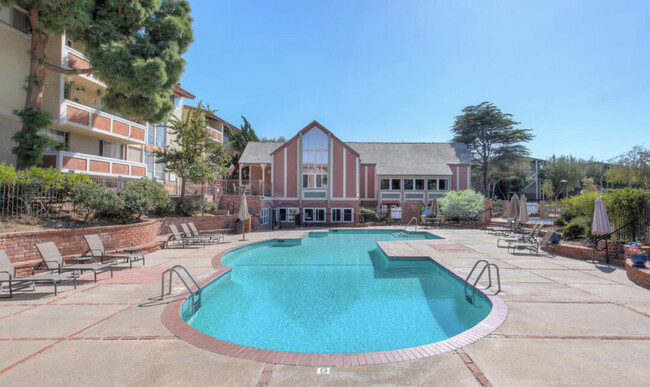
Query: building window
{"points": [[161, 132], [59, 137], [315, 159], [176, 100], [265, 218], [151, 164], [287, 214], [343, 215], [110, 149], [15, 18], [395, 184], [314, 215], [437, 184], [151, 134], [414, 184]]}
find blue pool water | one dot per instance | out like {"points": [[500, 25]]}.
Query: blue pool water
{"points": [[334, 292], [536, 220]]}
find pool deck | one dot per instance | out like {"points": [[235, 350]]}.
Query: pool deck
{"points": [[570, 322]]}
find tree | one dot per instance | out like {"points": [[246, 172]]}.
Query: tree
{"points": [[239, 139], [631, 169], [565, 173], [272, 139], [134, 47], [495, 143], [188, 153]]}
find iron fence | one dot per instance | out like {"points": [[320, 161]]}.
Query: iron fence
{"points": [[32, 201]]}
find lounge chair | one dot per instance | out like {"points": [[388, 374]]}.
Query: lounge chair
{"points": [[8, 275], [196, 238], [197, 233], [500, 230], [527, 236], [183, 240], [54, 261], [97, 250], [532, 245]]}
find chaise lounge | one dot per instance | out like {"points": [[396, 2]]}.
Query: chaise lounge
{"points": [[8, 275], [54, 261], [97, 250], [197, 233]]}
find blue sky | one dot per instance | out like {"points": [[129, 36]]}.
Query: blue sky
{"points": [[575, 71]]}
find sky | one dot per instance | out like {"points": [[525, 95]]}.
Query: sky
{"points": [[576, 72]]}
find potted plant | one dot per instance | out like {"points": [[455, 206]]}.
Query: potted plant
{"points": [[638, 256]]}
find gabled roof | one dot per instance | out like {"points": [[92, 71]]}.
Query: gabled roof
{"points": [[259, 152], [423, 158], [316, 124]]}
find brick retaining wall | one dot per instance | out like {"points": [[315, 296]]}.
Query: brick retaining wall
{"points": [[19, 246], [638, 275]]}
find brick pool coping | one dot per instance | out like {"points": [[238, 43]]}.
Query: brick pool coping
{"points": [[171, 318]]}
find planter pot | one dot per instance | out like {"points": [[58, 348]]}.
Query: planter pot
{"points": [[639, 260]]}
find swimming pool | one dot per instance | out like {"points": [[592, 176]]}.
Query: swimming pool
{"points": [[334, 292]]}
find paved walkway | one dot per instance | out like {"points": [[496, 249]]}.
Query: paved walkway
{"points": [[570, 323]]}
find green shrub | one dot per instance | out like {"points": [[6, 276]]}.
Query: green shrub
{"points": [[191, 207], [145, 196], [466, 205], [559, 222], [111, 205], [42, 177], [577, 227], [370, 215], [210, 208], [85, 198]]}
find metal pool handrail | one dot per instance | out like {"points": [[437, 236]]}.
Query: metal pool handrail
{"points": [[195, 295], [488, 266]]}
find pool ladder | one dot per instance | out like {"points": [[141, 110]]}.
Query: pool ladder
{"points": [[469, 296], [403, 231], [194, 295]]}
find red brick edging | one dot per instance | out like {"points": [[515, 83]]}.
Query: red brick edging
{"points": [[171, 318], [638, 275]]}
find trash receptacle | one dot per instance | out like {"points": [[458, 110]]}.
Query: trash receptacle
{"points": [[239, 226]]}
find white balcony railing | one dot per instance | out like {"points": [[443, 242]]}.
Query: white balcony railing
{"points": [[95, 120], [216, 134], [93, 165]]}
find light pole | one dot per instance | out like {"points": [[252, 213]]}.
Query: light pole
{"points": [[564, 183]]}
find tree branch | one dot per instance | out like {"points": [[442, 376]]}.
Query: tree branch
{"points": [[65, 71]]}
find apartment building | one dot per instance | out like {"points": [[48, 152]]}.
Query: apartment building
{"points": [[318, 178], [90, 138]]}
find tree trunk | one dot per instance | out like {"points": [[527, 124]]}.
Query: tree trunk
{"points": [[37, 70], [36, 78], [486, 187], [182, 190]]}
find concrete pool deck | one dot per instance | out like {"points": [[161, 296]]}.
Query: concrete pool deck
{"points": [[569, 323]]}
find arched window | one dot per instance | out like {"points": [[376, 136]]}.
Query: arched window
{"points": [[315, 159]]}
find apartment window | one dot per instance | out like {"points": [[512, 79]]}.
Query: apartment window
{"points": [[315, 159], [343, 215], [161, 131], [151, 134], [314, 215], [265, 218], [287, 214], [395, 184], [176, 100], [437, 184], [15, 18], [58, 136], [110, 149], [414, 184], [151, 164]]}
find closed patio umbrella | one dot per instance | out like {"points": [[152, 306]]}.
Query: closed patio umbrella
{"points": [[512, 210], [600, 223], [435, 207], [243, 214], [523, 210]]}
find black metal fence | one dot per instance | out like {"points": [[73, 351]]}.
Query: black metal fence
{"points": [[32, 201]]}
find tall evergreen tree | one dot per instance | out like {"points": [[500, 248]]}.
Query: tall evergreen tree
{"points": [[134, 47], [497, 147]]}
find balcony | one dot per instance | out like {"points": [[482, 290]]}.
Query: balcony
{"points": [[250, 187], [215, 134], [93, 165], [94, 120], [74, 59]]}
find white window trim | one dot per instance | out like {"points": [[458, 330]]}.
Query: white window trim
{"points": [[342, 215], [390, 184], [266, 216], [315, 211], [413, 179], [287, 213]]}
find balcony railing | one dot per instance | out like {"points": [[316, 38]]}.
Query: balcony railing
{"points": [[255, 187], [76, 114], [93, 165], [74, 59], [216, 134]]}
